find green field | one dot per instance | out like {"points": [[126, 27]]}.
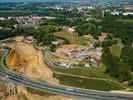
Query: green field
{"points": [[88, 83], [71, 37], [128, 21], [81, 76], [87, 72], [115, 50], [41, 93]]}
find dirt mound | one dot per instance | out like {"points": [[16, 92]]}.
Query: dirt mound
{"points": [[74, 46], [24, 95], [26, 59]]}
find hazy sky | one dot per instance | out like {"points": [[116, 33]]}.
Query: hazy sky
{"points": [[59, 0]]}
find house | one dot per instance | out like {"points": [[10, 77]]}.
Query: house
{"points": [[29, 39], [94, 58], [81, 54], [73, 51], [57, 41], [102, 37], [92, 62], [1, 28]]}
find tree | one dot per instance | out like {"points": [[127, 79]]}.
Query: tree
{"points": [[127, 56], [108, 59], [118, 28], [107, 43], [97, 44], [88, 28], [124, 73], [114, 66], [8, 23], [5, 33]]}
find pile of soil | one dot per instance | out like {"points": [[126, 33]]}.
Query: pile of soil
{"points": [[24, 57]]}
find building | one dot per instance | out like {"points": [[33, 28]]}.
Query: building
{"points": [[128, 13], [28, 20], [57, 41], [2, 18], [94, 58], [102, 37], [81, 54], [29, 39], [123, 13], [73, 51]]}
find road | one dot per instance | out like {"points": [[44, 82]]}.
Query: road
{"points": [[7, 75], [67, 91], [53, 66]]}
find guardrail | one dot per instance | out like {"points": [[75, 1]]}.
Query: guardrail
{"points": [[59, 89], [51, 64]]}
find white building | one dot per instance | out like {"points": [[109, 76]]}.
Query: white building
{"points": [[128, 13], [123, 13], [2, 18]]}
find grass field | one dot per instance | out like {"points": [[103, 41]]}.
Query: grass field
{"points": [[88, 83], [115, 50], [128, 21], [71, 37], [87, 72], [39, 92]]}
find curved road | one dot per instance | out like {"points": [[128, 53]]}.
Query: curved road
{"points": [[7, 75]]}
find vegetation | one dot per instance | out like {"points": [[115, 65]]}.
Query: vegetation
{"points": [[127, 56], [7, 23], [42, 34], [5, 33], [117, 28], [130, 21], [115, 50], [119, 63], [88, 28], [71, 37], [41, 93], [114, 66], [87, 72], [88, 83]]}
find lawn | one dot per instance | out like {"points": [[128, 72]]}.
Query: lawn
{"points": [[115, 50], [87, 72], [88, 83], [73, 38]]}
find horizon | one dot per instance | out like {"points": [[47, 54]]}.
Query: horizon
{"points": [[66, 1]]}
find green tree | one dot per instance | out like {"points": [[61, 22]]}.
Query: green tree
{"points": [[107, 43], [124, 73], [114, 66], [127, 56], [88, 28]]}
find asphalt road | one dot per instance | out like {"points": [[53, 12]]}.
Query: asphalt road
{"points": [[63, 90], [7, 75]]}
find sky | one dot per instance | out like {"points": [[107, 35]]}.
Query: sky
{"points": [[58, 0]]}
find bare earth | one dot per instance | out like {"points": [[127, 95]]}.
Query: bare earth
{"points": [[24, 95], [30, 61], [25, 59]]}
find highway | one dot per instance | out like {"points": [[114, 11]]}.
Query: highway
{"points": [[7, 75], [67, 91]]}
